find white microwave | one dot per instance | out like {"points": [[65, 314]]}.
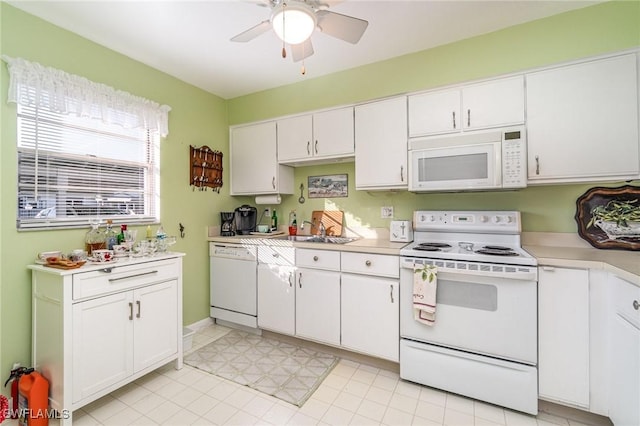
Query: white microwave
{"points": [[482, 160]]}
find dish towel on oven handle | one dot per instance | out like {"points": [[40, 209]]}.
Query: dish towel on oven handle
{"points": [[425, 283]]}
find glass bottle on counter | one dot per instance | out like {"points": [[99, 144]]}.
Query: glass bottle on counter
{"points": [[293, 223], [274, 221], [121, 234], [111, 235], [95, 239]]}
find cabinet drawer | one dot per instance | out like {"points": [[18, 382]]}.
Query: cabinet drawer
{"points": [[276, 255], [321, 259], [371, 264], [118, 278], [627, 300]]}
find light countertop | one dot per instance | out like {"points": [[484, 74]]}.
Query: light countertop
{"points": [[561, 250]]}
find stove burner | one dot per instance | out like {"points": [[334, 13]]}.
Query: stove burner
{"points": [[497, 248], [497, 252], [435, 245], [426, 248]]}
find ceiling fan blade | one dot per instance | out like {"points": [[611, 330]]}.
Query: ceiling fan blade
{"points": [[253, 32], [302, 50], [340, 26]]}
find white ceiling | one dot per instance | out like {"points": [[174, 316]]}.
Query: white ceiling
{"points": [[190, 39]]}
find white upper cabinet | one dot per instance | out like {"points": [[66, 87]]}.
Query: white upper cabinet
{"points": [[381, 144], [254, 164], [315, 137], [582, 122], [483, 105]]}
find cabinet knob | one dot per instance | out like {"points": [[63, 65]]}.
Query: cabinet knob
{"points": [[273, 182], [636, 305], [315, 258], [368, 263], [537, 165], [308, 147], [316, 146], [468, 118], [453, 113]]}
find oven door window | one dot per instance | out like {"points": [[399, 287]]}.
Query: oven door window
{"points": [[483, 297]]}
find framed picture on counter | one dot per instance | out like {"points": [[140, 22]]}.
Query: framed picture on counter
{"points": [[328, 186]]}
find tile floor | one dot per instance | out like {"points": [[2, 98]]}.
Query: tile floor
{"points": [[353, 394]]}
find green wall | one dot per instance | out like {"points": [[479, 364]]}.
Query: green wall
{"points": [[590, 31], [199, 118]]}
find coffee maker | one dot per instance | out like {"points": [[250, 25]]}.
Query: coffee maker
{"points": [[245, 219], [227, 223]]}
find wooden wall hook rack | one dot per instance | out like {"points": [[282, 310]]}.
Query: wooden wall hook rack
{"points": [[205, 165]]}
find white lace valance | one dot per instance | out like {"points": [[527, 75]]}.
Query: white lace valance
{"points": [[33, 84]]}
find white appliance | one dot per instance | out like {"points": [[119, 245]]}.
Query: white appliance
{"points": [[482, 160], [400, 231], [233, 280], [484, 340]]}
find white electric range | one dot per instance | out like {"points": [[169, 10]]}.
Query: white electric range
{"points": [[483, 343]]}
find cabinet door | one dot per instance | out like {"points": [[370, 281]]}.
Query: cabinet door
{"points": [[295, 140], [370, 315], [563, 335], [493, 103], [625, 381], [102, 343], [624, 353], [434, 113], [276, 298], [333, 133], [582, 122], [253, 159], [318, 305], [155, 323], [381, 144]]}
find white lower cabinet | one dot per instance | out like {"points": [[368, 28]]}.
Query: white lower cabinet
{"points": [[563, 335], [276, 289], [96, 329], [370, 315], [118, 335], [624, 405], [370, 305], [318, 305]]}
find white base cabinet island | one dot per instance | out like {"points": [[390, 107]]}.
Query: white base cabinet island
{"points": [[101, 326]]}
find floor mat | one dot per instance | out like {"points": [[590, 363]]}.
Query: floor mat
{"points": [[285, 371]]}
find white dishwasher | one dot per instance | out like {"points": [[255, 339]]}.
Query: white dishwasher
{"points": [[233, 280]]}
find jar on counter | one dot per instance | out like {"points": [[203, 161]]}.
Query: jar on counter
{"points": [[95, 239]]}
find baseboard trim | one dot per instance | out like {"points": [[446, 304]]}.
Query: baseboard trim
{"points": [[571, 413]]}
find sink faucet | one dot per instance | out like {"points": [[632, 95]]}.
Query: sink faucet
{"points": [[322, 231]]}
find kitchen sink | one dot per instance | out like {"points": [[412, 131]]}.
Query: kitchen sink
{"points": [[316, 239]]}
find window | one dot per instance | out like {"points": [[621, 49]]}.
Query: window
{"points": [[72, 170], [86, 151]]}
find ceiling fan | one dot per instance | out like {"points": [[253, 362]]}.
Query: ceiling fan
{"points": [[295, 20]]}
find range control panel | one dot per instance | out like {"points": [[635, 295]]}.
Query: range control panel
{"points": [[507, 222]]}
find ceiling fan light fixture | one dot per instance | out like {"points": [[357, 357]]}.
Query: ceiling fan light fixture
{"points": [[293, 23]]}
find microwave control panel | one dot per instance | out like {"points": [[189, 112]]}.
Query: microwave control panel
{"points": [[514, 159]]}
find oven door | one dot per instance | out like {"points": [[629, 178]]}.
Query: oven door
{"points": [[490, 311]]}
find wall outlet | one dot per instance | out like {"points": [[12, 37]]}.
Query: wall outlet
{"points": [[386, 212], [267, 212], [16, 365]]}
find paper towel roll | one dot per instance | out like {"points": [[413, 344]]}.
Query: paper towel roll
{"points": [[268, 199]]}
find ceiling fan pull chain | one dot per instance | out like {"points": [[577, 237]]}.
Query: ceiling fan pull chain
{"points": [[284, 26]]}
